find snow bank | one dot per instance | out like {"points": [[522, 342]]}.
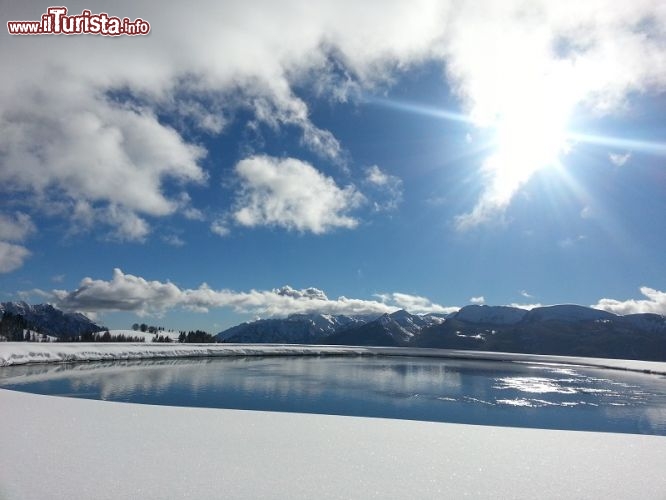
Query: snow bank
{"points": [[17, 353], [61, 448]]}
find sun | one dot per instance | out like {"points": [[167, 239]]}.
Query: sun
{"points": [[529, 135], [525, 142]]}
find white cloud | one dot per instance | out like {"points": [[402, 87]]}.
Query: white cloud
{"points": [[527, 307], [654, 302], [12, 256], [125, 292], [15, 227], [375, 176], [477, 300], [220, 227], [128, 225], [388, 188], [192, 213], [619, 160], [587, 212], [528, 66], [308, 293], [415, 303], [68, 131], [571, 241], [525, 294], [75, 146], [292, 194], [174, 240]]}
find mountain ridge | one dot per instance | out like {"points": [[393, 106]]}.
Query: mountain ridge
{"points": [[565, 329]]}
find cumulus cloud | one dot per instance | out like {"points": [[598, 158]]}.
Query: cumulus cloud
{"points": [[415, 304], [220, 227], [292, 194], [75, 146], [619, 160], [654, 302], [126, 292], [174, 240], [571, 241], [587, 212], [477, 300], [14, 228], [89, 125], [12, 256], [128, 225], [527, 307], [308, 293], [388, 188], [192, 213]]}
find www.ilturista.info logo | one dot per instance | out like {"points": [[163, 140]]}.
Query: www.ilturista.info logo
{"points": [[56, 22]]}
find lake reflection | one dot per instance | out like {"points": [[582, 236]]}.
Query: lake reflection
{"points": [[475, 392]]}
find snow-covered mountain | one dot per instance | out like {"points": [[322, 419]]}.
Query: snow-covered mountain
{"points": [[396, 329], [46, 319], [568, 313], [498, 315], [648, 322], [563, 329], [567, 330], [295, 329]]}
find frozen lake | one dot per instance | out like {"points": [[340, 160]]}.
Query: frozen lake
{"points": [[444, 390]]}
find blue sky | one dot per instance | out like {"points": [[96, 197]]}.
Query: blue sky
{"points": [[292, 157]]}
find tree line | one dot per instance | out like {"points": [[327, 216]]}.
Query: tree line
{"points": [[191, 337], [143, 327], [15, 328]]}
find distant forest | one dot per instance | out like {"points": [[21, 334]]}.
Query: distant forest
{"points": [[15, 328]]}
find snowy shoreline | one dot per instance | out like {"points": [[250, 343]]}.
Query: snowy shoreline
{"points": [[19, 353]]}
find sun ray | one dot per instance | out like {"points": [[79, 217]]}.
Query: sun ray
{"points": [[419, 109], [650, 147]]}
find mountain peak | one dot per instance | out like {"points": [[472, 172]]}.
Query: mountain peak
{"points": [[567, 313], [501, 315]]}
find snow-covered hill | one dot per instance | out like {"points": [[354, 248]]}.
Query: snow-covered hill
{"points": [[567, 313], [646, 321], [498, 315]]}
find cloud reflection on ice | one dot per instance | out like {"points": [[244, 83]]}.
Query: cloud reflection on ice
{"points": [[482, 392]]}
